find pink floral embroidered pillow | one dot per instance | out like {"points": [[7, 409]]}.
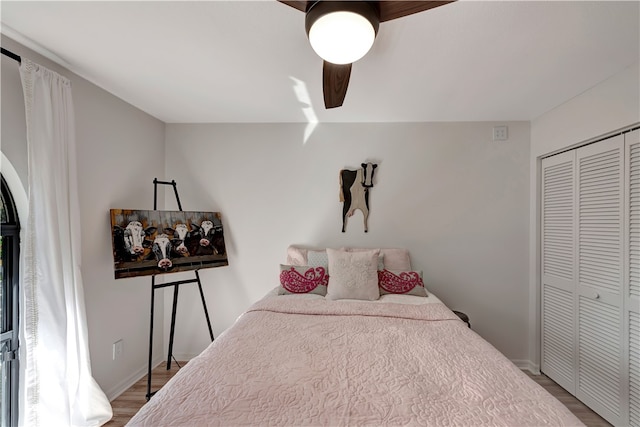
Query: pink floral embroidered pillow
{"points": [[401, 282], [297, 279]]}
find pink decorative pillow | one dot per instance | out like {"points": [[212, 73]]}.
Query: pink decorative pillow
{"points": [[296, 255], [354, 275], [303, 280], [401, 282], [394, 258], [390, 258]]}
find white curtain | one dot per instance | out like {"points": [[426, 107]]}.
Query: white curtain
{"points": [[58, 387]]}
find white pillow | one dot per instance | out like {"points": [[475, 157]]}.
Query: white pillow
{"points": [[353, 275], [317, 258]]}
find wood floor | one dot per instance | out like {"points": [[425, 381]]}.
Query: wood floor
{"points": [[579, 409], [129, 402]]}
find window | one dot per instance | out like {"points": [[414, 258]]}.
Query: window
{"points": [[9, 257]]}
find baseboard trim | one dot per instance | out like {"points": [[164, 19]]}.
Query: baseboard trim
{"points": [[521, 364], [184, 357], [125, 384], [534, 369], [526, 365]]}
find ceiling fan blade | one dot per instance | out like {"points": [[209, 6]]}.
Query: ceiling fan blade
{"points": [[389, 9], [301, 5], [393, 9], [335, 80]]}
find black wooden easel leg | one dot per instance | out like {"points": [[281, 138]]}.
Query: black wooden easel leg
{"points": [[153, 292], [173, 325], [175, 295], [204, 304]]}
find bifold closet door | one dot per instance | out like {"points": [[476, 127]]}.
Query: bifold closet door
{"points": [[558, 269], [600, 370], [590, 262], [632, 177]]}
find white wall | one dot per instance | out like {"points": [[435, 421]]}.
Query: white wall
{"points": [[120, 151], [465, 206], [453, 197], [456, 199], [608, 107]]}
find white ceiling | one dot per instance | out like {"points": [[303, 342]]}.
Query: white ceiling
{"points": [[250, 61]]}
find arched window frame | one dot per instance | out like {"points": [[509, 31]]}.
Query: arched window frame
{"points": [[9, 326]]}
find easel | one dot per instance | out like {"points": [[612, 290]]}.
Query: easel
{"points": [[176, 286]]}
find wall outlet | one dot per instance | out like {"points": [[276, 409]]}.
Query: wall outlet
{"points": [[500, 133], [118, 348]]}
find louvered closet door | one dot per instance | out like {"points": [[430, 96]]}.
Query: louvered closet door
{"points": [[600, 371], [558, 276], [632, 173]]}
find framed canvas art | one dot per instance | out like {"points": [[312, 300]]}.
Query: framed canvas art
{"points": [[147, 242]]}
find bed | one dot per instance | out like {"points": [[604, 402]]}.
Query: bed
{"points": [[302, 359]]}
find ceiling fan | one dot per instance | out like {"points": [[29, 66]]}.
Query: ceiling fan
{"points": [[341, 32]]}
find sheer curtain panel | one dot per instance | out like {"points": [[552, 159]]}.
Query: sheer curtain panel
{"points": [[58, 389]]}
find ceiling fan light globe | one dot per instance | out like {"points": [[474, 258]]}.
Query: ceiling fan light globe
{"points": [[341, 37]]}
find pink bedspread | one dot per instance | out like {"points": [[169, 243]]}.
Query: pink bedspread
{"points": [[295, 362]]}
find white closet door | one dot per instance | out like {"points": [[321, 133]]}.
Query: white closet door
{"points": [[600, 371], [632, 290], [558, 265]]}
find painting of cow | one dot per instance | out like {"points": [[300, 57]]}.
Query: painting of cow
{"points": [[161, 249], [182, 240], [156, 242], [354, 192], [211, 236], [133, 240]]}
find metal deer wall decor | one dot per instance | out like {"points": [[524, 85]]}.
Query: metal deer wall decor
{"points": [[354, 191]]}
